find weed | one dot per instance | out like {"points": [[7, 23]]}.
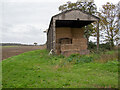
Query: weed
{"points": [[76, 58]]}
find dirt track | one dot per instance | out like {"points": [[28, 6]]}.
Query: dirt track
{"points": [[13, 51]]}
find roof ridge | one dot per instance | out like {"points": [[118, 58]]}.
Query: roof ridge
{"points": [[75, 9]]}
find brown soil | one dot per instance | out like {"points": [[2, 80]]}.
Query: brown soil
{"points": [[13, 51]]}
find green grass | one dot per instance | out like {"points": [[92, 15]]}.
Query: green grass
{"points": [[36, 69]]}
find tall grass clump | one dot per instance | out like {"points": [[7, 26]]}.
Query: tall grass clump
{"points": [[104, 57], [77, 58]]}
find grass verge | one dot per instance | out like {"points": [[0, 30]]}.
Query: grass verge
{"points": [[36, 69]]}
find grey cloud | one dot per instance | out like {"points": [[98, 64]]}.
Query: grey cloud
{"points": [[26, 33], [25, 22], [28, 12]]}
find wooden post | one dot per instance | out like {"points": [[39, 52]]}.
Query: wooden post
{"points": [[97, 35], [54, 36]]}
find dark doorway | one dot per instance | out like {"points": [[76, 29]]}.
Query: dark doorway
{"points": [[65, 41]]}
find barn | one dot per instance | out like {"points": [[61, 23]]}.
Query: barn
{"points": [[65, 34]]}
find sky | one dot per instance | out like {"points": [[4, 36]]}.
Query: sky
{"points": [[23, 21]]}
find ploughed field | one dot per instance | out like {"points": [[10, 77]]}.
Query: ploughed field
{"points": [[8, 51]]}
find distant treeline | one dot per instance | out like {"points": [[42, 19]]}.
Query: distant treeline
{"points": [[14, 44]]}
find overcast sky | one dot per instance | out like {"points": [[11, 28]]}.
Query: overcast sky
{"points": [[23, 21]]}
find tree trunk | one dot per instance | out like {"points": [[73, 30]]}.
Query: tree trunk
{"points": [[112, 43], [87, 40], [97, 36]]}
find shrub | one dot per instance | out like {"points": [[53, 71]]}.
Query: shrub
{"points": [[102, 47], [73, 57], [86, 59], [91, 46], [105, 46], [76, 58], [61, 56]]}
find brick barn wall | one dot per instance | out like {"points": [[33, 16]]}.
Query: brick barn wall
{"points": [[50, 39], [62, 33], [79, 43]]}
